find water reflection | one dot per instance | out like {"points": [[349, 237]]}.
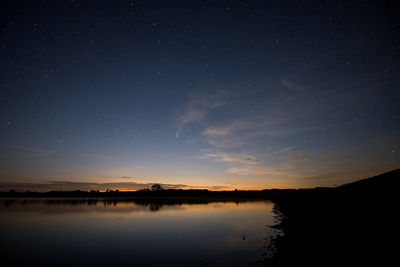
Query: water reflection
{"points": [[109, 232]]}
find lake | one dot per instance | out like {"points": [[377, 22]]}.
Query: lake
{"points": [[135, 233]]}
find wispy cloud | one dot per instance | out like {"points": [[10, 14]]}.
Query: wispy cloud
{"points": [[260, 170], [242, 158], [294, 86], [38, 151], [237, 126], [241, 132], [247, 164], [234, 134], [266, 121], [197, 107]]}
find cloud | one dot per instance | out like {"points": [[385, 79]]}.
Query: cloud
{"points": [[236, 126], [246, 164], [197, 107], [303, 156], [266, 117], [266, 120], [278, 162], [40, 151], [36, 151], [258, 170], [242, 158], [242, 132], [234, 134], [291, 85]]}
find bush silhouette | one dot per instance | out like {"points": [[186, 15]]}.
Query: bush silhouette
{"points": [[156, 187]]}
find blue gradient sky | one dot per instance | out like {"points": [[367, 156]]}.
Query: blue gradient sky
{"points": [[242, 94]]}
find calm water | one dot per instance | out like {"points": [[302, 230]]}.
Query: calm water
{"points": [[97, 232]]}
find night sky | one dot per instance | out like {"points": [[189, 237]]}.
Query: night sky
{"points": [[204, 94]]}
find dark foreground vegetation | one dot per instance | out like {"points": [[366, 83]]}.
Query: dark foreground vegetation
{"points": [[354, 223]]}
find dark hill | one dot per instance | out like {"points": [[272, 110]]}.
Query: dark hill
{"points": [[386, 182], [356, 223]]}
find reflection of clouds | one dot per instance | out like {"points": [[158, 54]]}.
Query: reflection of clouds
{"points": [[54, 205], [60, 206], [213, 229]]}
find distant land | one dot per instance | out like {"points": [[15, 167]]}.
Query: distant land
{"points": [[377, 184]]}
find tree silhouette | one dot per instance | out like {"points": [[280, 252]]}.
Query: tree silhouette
{"points": [[156, 187]]}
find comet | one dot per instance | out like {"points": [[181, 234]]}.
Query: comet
{"points": [[177, 133]]}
